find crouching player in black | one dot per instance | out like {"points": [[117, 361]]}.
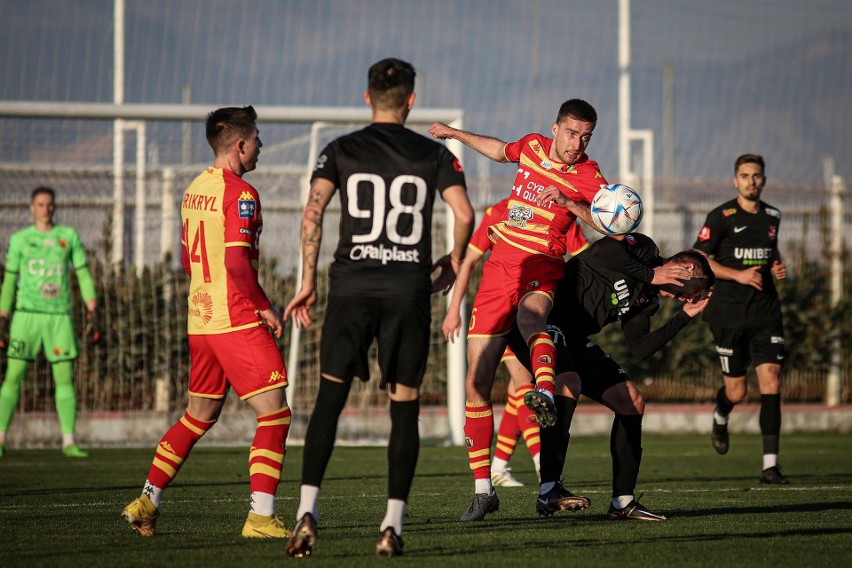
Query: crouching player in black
{"points": [[594, 292]]}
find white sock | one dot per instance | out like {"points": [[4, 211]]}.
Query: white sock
{"points": [[393, 516], [545, 487], [308, 502], [719, 419], [498, 465], [67, 440], [154, 493], [621, 501], [537, 461], [262, 503], [770, 460], [484, 486]]}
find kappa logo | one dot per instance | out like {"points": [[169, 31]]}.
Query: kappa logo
{"points": [[167, 446], [275, 376], [740, 229]]}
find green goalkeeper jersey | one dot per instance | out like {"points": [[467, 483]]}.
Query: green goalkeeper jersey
{"points": [[39, 263]]}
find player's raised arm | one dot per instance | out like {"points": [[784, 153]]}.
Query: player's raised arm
{"points": [[488, 146]]}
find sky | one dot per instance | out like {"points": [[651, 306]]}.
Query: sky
{"points": [[771, 76]]}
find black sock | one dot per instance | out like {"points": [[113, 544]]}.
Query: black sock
{"points": [[625, 445], [322, 429], [770, 422], [723, 404], [403, 448], [554, 440]]}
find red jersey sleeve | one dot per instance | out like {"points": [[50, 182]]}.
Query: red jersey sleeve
{"points": [[480, 241]]}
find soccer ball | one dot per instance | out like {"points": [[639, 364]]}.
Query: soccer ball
{"points": [[617, 209]]}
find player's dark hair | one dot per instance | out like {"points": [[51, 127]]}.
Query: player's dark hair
{"points": [[749, 159], [702, 277], [699, 261], [42, 189], [578, 109], [224, 125], [390, 82]]}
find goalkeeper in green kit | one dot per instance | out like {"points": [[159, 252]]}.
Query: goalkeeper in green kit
{"points": [[37, 267]]}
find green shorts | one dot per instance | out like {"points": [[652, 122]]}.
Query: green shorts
{"points": [[32, 332]]}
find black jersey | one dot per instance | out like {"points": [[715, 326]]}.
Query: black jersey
{"points": [[387, 176], [604, 281], [737, 239]]}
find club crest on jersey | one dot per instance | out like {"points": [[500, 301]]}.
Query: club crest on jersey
{"points": [[247, 206], [773, 232], [704, 233], [519, 215], [63, 243], [729, 212]]}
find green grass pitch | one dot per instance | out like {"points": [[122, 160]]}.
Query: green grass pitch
{"points": [[56, 511]]}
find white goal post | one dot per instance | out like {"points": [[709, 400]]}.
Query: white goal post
{"points": [[132, 116]]}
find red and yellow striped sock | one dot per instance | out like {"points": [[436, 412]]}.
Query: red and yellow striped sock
{"points": [[478, 432], [508, 432], [527, 423], [174, 448], [266, 457], [543, 360]]}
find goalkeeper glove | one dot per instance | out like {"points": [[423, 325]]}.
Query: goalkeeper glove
{"points": [[93, 327], [4, 333]]}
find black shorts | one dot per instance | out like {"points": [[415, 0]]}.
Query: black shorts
{"points": [[739, 348], [401, 327], [598, 371]]}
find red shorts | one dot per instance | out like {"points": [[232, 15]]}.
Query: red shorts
{"points": [[248, 360], [505, 282]]}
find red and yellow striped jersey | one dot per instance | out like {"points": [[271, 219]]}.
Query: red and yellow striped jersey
{"points": [[219, 211], [527, 228], [480, 242]]}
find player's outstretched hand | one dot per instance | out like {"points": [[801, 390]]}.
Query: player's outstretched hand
{"points": [[93, 327], [4, 333], [440, 130], [273, 321], [670, 273], [692, 309], [300, 306], [449, 268]]}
